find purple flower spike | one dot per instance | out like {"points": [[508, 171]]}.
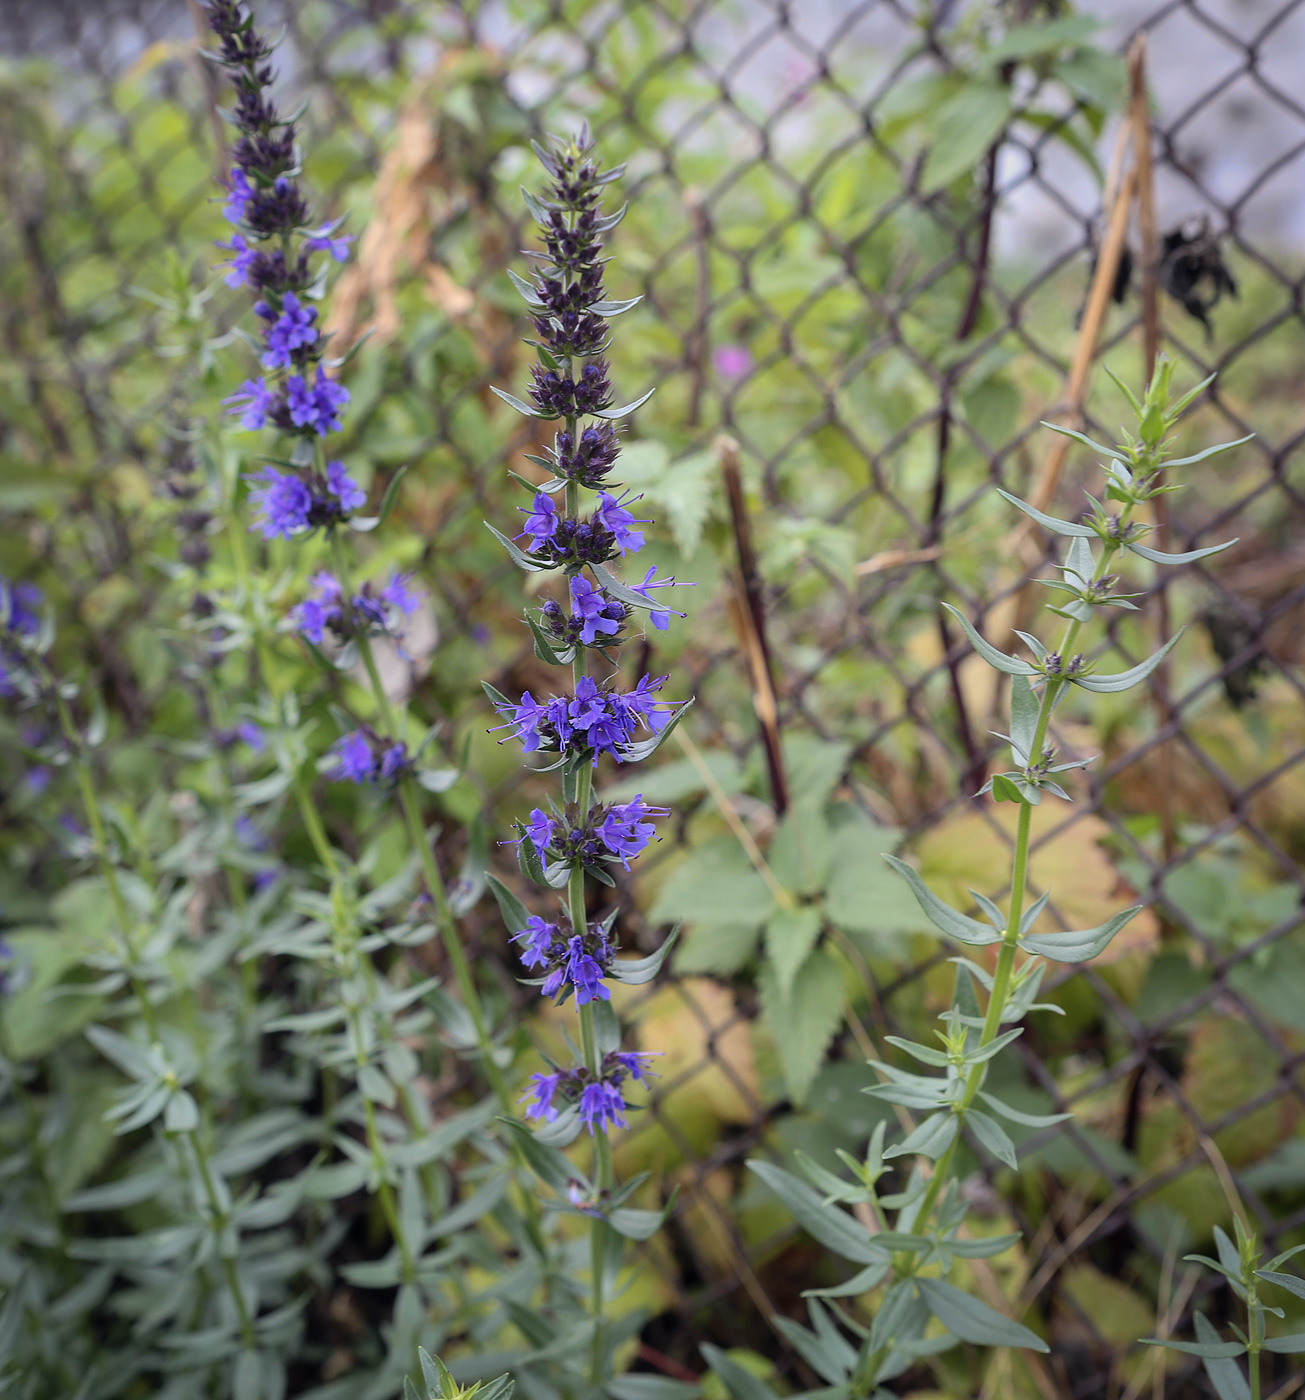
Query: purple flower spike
{"points": [[293, 329], [602, 1108], [585, 974]]}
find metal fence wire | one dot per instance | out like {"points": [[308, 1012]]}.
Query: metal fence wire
{"points": [[881, 351]]}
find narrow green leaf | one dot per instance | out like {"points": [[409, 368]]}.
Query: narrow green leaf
{"points": [[1286, 1346], [973, 1321], [1158, 556], [1126, 680], [993, 1136], [827, 1224], [612, 414], [740, 1382], [1288, 1281], [1086, 441], [959, 926], [515, 914], [998, 660], [1207, 1349], [1077, 947], [513, 402]]}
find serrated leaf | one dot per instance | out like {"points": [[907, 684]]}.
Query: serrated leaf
{"points": [[803, 1023], [1077, 947], [961, 129], [955, 925], [791, 934], [973, 1321]]}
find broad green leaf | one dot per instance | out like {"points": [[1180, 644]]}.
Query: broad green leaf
{"points": [[803, 1023], [791, 934], [961, 130], [864, 898], [973, 1321]]}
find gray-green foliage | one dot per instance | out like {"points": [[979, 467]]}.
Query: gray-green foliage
{"points": [[919, 1224]]}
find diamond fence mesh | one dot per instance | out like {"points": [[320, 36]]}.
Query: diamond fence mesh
{"points": [[881, 349]]}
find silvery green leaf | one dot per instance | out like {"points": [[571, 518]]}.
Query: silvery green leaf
{"points": [[1006, 789], [515, 914], [531, 296], [973, 1321], [930, 1139], [635, 1224], [613, 308], [612, 414], [1086, 441], [1033, 644], [1208, 1349], [926, 1054], [645, 1385], [1126, 680], [943, 916], [824, 1361], [869, 1277], [634, 972], [1288, 1281], [519, 557], [828, 1225], [545, 649], [181, 1114], [993, 1136], [1011, 665], [1023, 717], [546, 1162], [1224, 1373], [1158, 556], [1077, 947], [645, 748], [613, 585], [738, 1380], [1078, 611], [1288, 1345], [1030, 915], [982, 1248], [1209, 452], [982, 1053], [1048, 522], [991, 910], [1025, 1120], [513, 402], [1079, 561]]}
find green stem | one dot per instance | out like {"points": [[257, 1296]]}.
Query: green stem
{"points": [[108, 873], [1002, 975], [220, 1222]]}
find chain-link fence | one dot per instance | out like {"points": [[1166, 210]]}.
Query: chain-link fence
{"points": [[881, 348]]}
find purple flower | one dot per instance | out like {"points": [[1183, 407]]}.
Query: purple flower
{"points": [[323, 240], [540, 1091], [291, 331], [254, 403], [317, 406], [242, 260], [249, 733], [585, 974], [400, 595], [37, 778], [625, 830], [540, 830], [732, 361], [285, 501], [602, 1107], [659, 617], [536, 941], [393, 759], [527, 716], [612, 515], [239, 193], [354, 761], [593, 607], [632, 1061], [20, 608], [316, 613], [343, 487], [541, 520]]}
